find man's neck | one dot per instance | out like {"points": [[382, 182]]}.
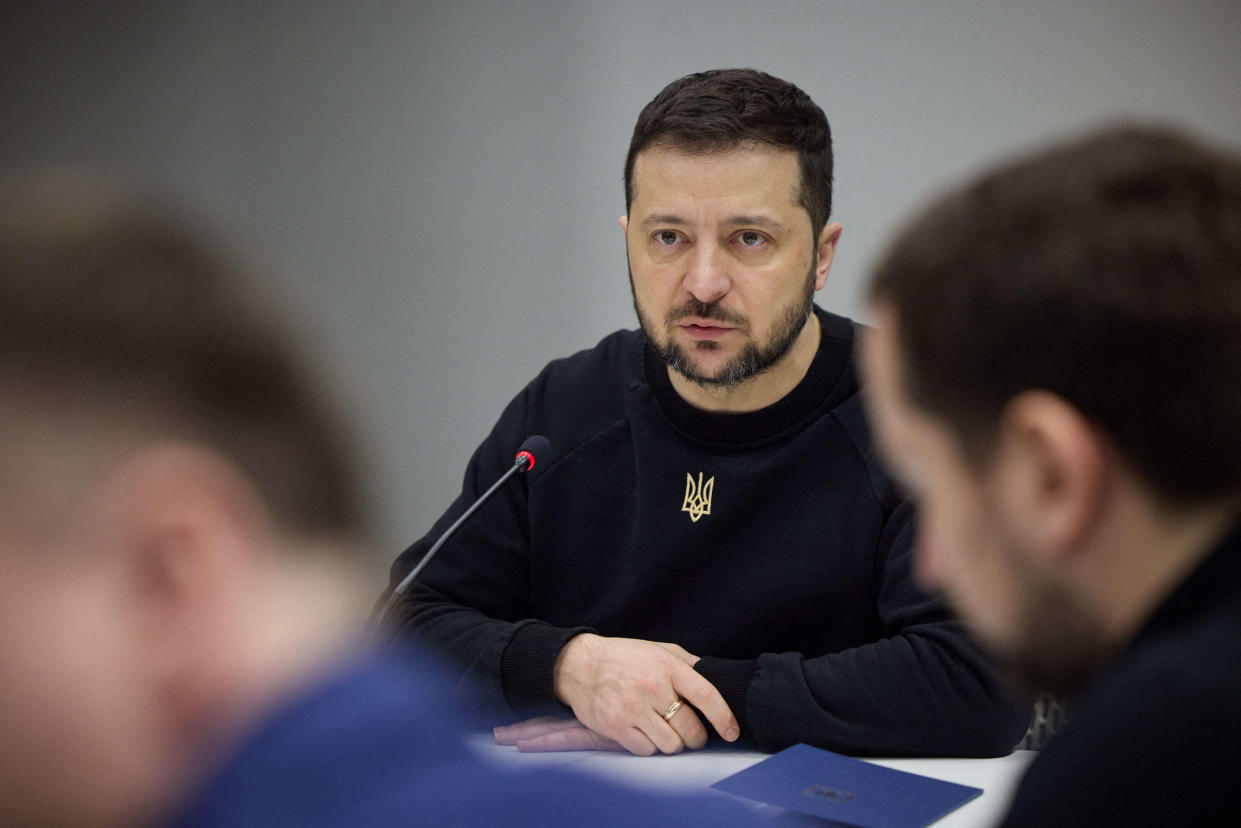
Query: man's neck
{"points": [[1154, 549], [760, 391]]}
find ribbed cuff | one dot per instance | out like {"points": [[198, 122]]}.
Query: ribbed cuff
{"points": [[732, 677], [527, 668]]}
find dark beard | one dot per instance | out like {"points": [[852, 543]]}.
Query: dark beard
{"points": [[1062, 641], [753, 359]]}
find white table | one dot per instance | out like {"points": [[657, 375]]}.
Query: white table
{"points": [[697, 770]]}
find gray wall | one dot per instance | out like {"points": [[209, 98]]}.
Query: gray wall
{"points": [[442, 180]]}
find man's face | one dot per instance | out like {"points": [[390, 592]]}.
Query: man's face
{"points": [[75, 710], [722, 260], [970, 543]]}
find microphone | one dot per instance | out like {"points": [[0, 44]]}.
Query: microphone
{"points": [[534, 446], [531, 449]]}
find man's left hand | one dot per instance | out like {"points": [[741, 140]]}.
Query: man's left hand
{"points": [[553, 733]]}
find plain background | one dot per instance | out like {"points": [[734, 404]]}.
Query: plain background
{"points": [[440, 181]]}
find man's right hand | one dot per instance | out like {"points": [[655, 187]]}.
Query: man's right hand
{"points": [[620, 688]]}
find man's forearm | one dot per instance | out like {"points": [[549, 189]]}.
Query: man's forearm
{"points": [[927, 692]]}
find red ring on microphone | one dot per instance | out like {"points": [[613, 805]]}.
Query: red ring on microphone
{"points": [[529, 458]]}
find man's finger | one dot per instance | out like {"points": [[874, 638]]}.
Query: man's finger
{"points": [[702, 694], [533, 728], [581, 737], [689, 727], [574, 738], [661, 733], [637, 742]]}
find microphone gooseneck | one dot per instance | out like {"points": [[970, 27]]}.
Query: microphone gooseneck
{"points": [[534, 447]]}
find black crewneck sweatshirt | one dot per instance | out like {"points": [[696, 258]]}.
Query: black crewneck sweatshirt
{"points": [[794, 588]]}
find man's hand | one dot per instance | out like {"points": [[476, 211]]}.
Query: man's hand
{"points": [[552, 733], [620, 689]]}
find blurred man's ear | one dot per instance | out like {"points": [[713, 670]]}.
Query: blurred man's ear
{"points": [[1051, 473], [191, 528]]}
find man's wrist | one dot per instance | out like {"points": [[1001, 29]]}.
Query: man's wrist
{"points": [[565, 672], [528, 667]]}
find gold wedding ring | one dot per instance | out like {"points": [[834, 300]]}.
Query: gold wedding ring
{"points": [[672, 710]]}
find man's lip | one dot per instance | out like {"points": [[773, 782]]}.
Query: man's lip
{"points": [[699, 322], [704, 329]]}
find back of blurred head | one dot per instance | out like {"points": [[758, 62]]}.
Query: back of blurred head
{"points": [[1058, 380], [178, 517]]}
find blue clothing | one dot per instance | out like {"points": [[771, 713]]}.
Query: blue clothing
{"points": [[375, 744]]}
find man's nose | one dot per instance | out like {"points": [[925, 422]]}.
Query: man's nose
{"points": [[706, 275]]}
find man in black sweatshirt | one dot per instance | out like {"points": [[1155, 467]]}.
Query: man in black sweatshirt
{"points": [[713, 532], [1057, 380]]}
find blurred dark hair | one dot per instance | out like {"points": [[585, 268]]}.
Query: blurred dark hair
{"points": [[724, 108], [1107, 271], [109, 300]]}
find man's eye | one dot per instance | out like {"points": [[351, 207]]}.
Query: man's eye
{"points": [[667, 237], [751, 238]]}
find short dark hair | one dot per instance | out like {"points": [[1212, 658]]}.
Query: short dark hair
{"points": [[1106, 270], [721, 109], [117, 300]]}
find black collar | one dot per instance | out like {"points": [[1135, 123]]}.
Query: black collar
{"points": [[1210, 585]]}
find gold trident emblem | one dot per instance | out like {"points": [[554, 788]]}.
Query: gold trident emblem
{"points": [[697, 496]]}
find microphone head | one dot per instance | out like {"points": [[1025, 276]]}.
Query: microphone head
{"points": [[533, 448]]}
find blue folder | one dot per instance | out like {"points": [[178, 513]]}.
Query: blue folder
{"points": [[846, 791]]}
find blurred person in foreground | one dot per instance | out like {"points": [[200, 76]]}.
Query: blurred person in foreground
{"points": [[180, 551], [1056, 380]]}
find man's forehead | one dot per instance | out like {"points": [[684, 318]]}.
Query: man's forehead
{"points": [[756, 174], [883, 373], [880, 349]]}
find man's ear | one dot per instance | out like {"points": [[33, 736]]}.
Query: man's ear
{"points": [[829, 238], [1052, 470], [624, 225], [191, 528]]}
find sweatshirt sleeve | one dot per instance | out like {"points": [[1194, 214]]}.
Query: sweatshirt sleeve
{"points": [[926, 689], [471, 603]]}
